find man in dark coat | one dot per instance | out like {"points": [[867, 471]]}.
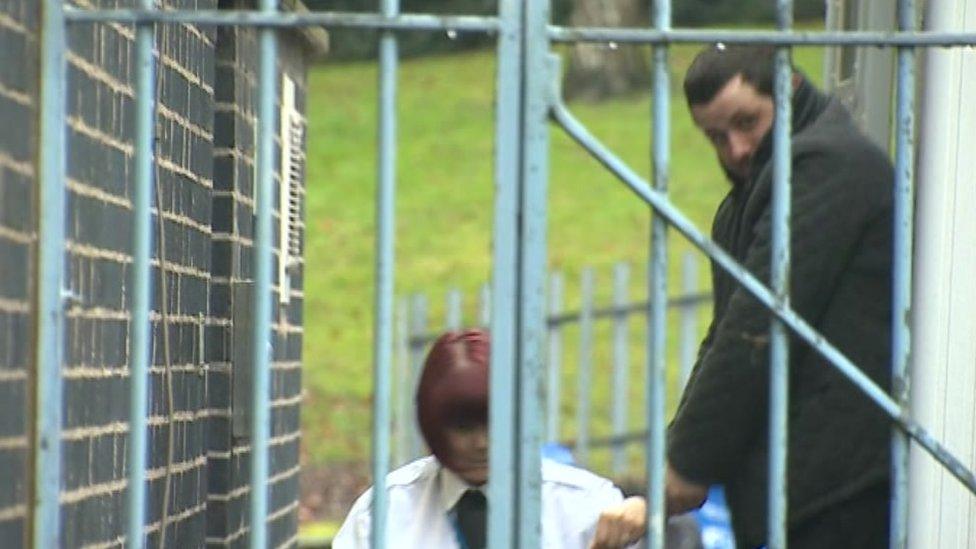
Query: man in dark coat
{"points": [[840, 283]]}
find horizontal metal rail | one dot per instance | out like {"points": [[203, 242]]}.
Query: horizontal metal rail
{"points": [[639, 307], [407, 22], [881, 39], [578, 132]]}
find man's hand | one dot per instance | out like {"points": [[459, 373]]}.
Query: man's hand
{"points": [[681, 495], [620, 525]]}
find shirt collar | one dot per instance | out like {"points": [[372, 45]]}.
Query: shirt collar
{"points": [[452, 488]]}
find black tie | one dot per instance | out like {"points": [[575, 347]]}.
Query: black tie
{"points": [[472, 516]]}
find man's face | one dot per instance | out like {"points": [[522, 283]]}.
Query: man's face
{"points": [[468, 445], [735, 121]]}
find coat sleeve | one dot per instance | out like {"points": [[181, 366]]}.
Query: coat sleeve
{"points": [[725, 408]]}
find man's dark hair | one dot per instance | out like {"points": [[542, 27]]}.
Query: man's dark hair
{"points": [[715, 66]]}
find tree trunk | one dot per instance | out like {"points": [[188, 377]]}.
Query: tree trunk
{"points": [[598, 71]]}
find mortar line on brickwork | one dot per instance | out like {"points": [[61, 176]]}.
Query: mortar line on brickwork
{"points": [[17, 97], [81, 433], [290, 542], [182, 269], [287, 365], [184, 122], [235, 109], [233, 153], [92, 372], [16, 236], [94, 71], [221, 413], [221, 367], [230, 237], [97, 313], [282, 512], [84, 189], [117, 542], [230, 496], [231, 537], [74, 496], [218, 454], [180, 517], [24, 168], [190, 27], [237, 196], [13, 24], [287, 438], [13, 375], [178, 468], [16, 511], [77, 124], [190, 78], [168, 164], [8, 305], [13, 443], [186, 221], [91, 252], [122, 29]]}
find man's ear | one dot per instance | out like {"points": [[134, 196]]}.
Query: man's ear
{"points": [[796, 80]]}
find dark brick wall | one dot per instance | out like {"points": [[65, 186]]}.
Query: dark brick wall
{"points": [[233, 232], [18, 92], [205, 157]]}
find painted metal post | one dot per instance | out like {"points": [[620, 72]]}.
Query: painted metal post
{"points": [[621, 363], [584, 372], [518, 275], [140, 341], [484, 305], [404, 386], [658, 287], [453, 315], [555, 366], [417, 346], [385, 264], [901, 335], [689, 316], [49, 324], [531, 337], [502, 458], [261, 298], [779, 275]]}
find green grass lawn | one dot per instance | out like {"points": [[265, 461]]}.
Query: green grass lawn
{"points": [[444, 209]]}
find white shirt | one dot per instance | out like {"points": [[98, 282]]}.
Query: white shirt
{"points": [[422, 494]]}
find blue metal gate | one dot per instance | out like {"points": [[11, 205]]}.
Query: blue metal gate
{"points": [[527, 97]]}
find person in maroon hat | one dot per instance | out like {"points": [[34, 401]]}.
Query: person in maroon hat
{"points": [[439, 501]]}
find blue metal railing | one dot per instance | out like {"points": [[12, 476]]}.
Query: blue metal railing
{"points": [[524, 98]]}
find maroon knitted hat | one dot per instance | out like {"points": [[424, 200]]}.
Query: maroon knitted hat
{"points": [[453, 388]]}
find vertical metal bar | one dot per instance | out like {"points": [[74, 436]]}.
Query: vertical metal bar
{"points": [[554, 389], [621, 363], [404, 386], [689, 315], [901, 339], [385, 263], [261, 347], [453, 309], [502, 451], [484, 305], [584, 371], [780, 262], [49, 322], [658, 288], [141, 338], [534, 179], [415, 341]]}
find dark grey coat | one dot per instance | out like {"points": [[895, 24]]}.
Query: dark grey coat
{"points": [[841, 284]]}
